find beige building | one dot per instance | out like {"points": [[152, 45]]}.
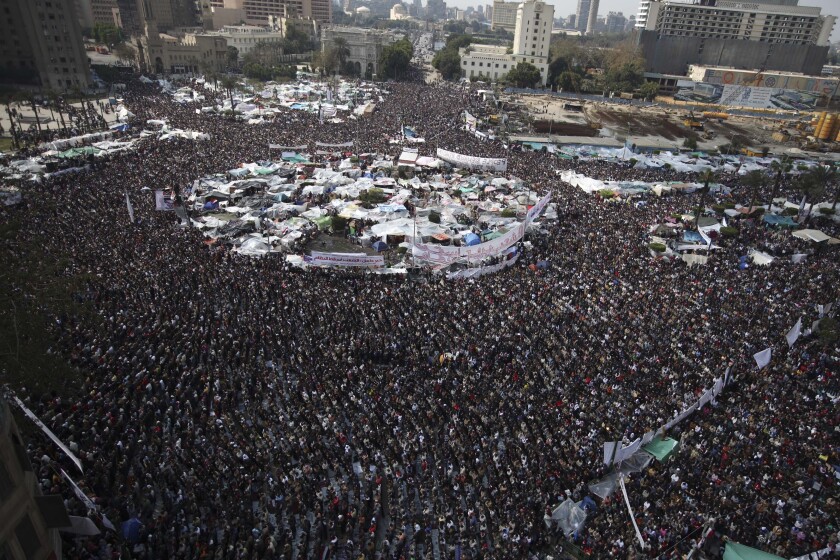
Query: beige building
{"points": [[504, 15], [365, 45], [42, 45], [183, 54], [258, 12], [246, 37], [28, 520]]}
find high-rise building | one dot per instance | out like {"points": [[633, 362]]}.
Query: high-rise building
{"points": [[488, 12], [43, 45], [129, 17], [571, 21], [771, 35], [592, 20], [504, 15], [615, 22], [257, 12], [582, 15], [436, 9]]}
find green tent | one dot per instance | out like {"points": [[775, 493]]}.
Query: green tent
{"points": [[735, 551], [661, 448], [75, 152], [323, 222]]}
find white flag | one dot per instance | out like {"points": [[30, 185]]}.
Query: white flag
{"points": [[130, 208], [794, 333], [763, 358], [609, 451], [31, 415]]}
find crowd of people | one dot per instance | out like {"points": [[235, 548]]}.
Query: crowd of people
{"points": [[239, 407]]}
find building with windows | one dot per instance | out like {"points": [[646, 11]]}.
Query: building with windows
{"points": [[772, 34], [615, 22], [582, 14], [504, 15], [29, 521], [364, 45], [188, 53], [257, 12], [531, 42], [246, 37], [41, 45]]}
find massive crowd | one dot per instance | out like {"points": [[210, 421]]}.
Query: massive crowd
{"points": [[243, 408]]}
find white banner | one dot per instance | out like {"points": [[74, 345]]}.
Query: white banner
{"points": [[342, 145], [763, 358], [476, 272], [163, 202], [446, 255], [286, 148], [794, 333], [31, 415], [345, 259], [473, 162]]}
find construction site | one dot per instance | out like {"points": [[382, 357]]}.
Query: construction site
{"points": [[662, 125]]}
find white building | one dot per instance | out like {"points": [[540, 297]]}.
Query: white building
{"points": [[398, 11], [246, 37], [781, 21], [531, 41], [364, 45]]}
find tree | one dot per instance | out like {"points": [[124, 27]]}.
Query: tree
{"points": [[754, 180], [229, 84], [232, 57], [342, 51], [649, 90], [706, 177], [448, 62], [690, 142], [568, 81], [781, 167], [814, 182], [125, 53], [395, 59], [523, 75]]}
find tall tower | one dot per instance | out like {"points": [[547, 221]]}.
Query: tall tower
{"points": [[592, 20]]}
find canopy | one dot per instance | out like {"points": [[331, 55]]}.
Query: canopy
{"points": [[776, 220], [661, 448], [735, 551], [815, 235]]}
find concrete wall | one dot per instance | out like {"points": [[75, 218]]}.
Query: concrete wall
{"points": [[672, 55]]}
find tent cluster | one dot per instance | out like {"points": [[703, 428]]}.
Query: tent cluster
{"points": [[281, 206]]}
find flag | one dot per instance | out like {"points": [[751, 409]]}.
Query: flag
{"points": [[130, 208], [31, 415], [794, 333], [763, 358], [163, 201]]}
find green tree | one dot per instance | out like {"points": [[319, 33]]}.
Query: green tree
{"points": [[690, 142], [706, 177], [448, 62], [395, 59], [781, 167], [569, 81], [229, 84], [754, 180], [649, 90], [814, 182], [523, 75], [232, 57], [342, 51]]}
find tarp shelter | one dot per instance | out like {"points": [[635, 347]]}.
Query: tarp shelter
{"points": [[379, 246], [471, 239], [776, 220], [735, 551], [661, 448], [131, 530], [323, 222], [815, 235]]}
